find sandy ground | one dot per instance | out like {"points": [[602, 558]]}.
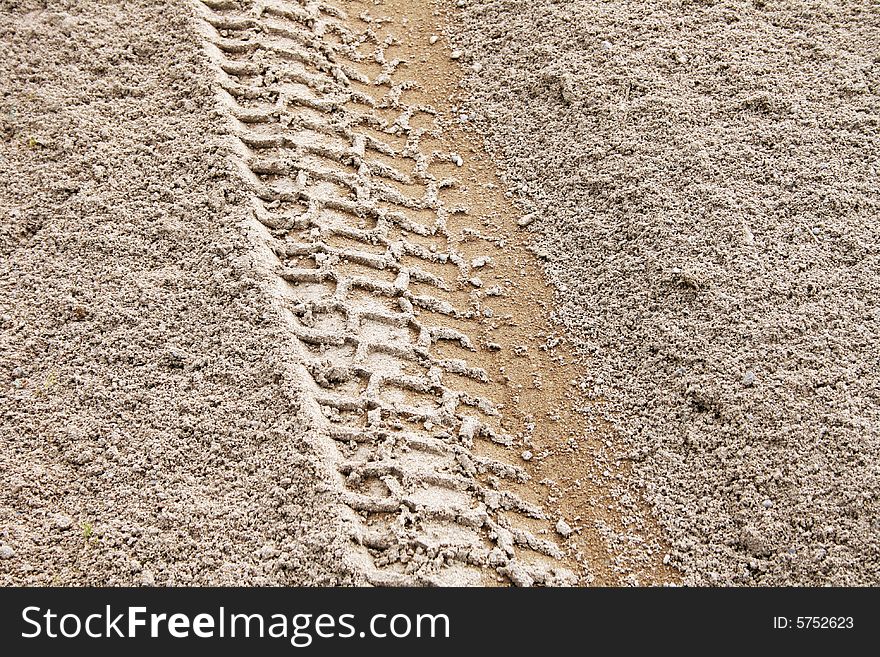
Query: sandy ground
{"points": [[699, 182], [148, 432], [706, 181], [445, 400]]}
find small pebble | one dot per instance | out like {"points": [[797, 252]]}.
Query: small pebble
{"points": [[476, 281], [526, 220], [527, 455], [563, 528], [434, 39], [768, 504], [749, 379], [458, 161], [456, 54], [6, 552]]}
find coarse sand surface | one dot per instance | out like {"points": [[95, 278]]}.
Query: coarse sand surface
{"points": [[700, 180], [705, 176], [149, 431]]}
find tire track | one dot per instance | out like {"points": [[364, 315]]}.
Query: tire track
{"points": [[404, 435], [379, 275]]}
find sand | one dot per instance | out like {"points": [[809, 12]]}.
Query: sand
{"points": [[442, 396], [698, 183], [149, 433], [705, 180]]}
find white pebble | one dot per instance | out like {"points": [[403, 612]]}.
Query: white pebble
{"points": [[456, 54], [6, 552], [527, 455], [434, 39], [563, 528]]}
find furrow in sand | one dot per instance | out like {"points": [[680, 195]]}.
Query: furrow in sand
{"points": [[447, 405]]}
